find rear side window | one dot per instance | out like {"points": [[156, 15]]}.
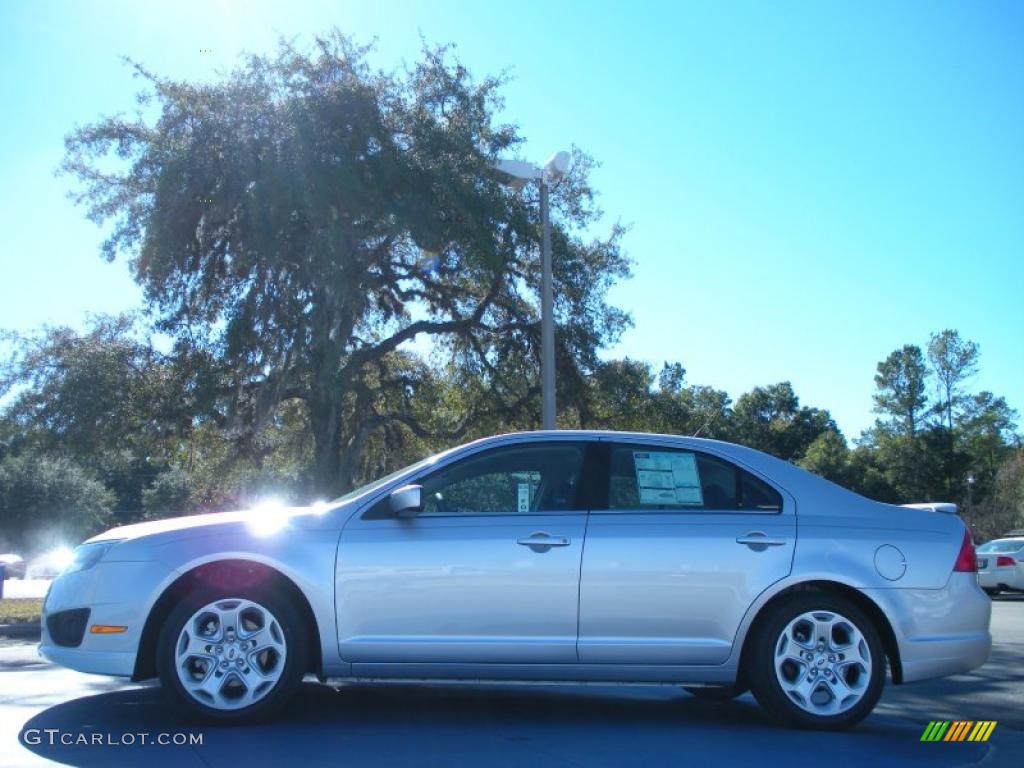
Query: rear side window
{"points": [[758, 495], [658, 478]]}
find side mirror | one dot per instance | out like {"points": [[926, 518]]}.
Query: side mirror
{"points": [[406, 501]]}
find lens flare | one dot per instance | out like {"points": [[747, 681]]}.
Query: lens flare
{"points": [[59, 557], [269, 517]]}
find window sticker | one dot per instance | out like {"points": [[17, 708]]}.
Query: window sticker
{"points": [[667, 478], [524, 497]]}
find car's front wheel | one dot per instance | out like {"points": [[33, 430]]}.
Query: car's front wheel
{"points": [[232, 656], [817, 662]]}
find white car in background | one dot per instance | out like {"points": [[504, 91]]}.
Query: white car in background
{"points": [[1001, 565]]}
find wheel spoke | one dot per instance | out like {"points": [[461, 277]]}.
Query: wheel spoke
{"points": [[840, 687], [257, 682], [833, 704], [195, 646], [823, 629], [210, 684], [859, 651], [790, 650], [267, 637], [229, 613], [800, 689]]}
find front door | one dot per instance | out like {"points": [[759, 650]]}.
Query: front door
{"points": [[487, 573], [683, 546]]}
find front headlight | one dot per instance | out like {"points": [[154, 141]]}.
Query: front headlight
{"points": [[87, 555]]}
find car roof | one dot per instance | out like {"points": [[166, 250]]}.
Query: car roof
{"points": [[790, 477]]}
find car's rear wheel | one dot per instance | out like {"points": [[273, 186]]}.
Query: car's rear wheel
{"points": [[817, 662], [232, 656]]}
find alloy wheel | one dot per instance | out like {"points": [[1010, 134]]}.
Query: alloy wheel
{"points": [[823, 662], [230, 653]]}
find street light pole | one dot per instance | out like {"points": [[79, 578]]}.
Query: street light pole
{"points": [[518, 173], [547, 321]]}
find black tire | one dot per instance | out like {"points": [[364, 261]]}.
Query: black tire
{"points": [[991, 591], [718, 692], [296, 639], [760, 663]]}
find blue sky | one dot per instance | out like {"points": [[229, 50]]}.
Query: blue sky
{"points": [[810, 185]]}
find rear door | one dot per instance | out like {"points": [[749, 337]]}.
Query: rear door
{"points": [[682, 545]]}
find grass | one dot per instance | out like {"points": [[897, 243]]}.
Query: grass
{"points": [[18, 610]]}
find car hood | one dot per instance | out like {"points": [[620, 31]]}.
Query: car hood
{"points": [[189, 523]]}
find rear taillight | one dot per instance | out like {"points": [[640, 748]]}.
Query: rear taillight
{"points": [[966, 560], [1005, 560]]}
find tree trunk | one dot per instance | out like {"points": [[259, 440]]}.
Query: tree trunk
{"points": [[326, 426]]}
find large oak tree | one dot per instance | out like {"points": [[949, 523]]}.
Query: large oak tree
{"points": [[305, 217]]}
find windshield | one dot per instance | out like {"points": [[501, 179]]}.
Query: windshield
{"points": [[374, 485], [1007, 545]]}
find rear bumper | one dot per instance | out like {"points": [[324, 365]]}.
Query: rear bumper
{"points": [[1001, 577], [926, 658], [939, 632]]}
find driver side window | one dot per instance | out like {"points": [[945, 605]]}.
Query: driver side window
{"points": [[522, 479]]}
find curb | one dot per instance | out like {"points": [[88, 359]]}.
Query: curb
{"points": [[20, 631]]}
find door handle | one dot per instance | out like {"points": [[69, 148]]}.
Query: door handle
{"points": [[541, 540], [759, 541]]}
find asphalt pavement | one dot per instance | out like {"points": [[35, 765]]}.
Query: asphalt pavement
{"points": [[50, 715]]}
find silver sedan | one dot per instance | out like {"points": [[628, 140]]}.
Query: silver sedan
{"points": [[547, 556]]}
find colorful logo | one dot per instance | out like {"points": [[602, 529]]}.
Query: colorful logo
{"points": [[958, 730]]}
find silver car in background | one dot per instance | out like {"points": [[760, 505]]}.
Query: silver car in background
{"points": [[545, 556]]}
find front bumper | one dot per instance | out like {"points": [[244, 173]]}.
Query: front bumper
{"points": [[93, 661], [117, 594], [939, 632]]}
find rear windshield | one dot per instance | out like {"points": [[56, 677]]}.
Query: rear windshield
{"points": [[1009, 545]]}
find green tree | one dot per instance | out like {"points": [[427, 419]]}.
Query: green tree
{"points": [[984, 431], [829, 457], [306, 217], [1003, 510], [771, 419], [710, 412], [627, 395], [169, 493], [106, 399], [901, 399], [47, 501], [901, 390], [967, 435], [870, 475], [953, 361], [620, 397]]}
